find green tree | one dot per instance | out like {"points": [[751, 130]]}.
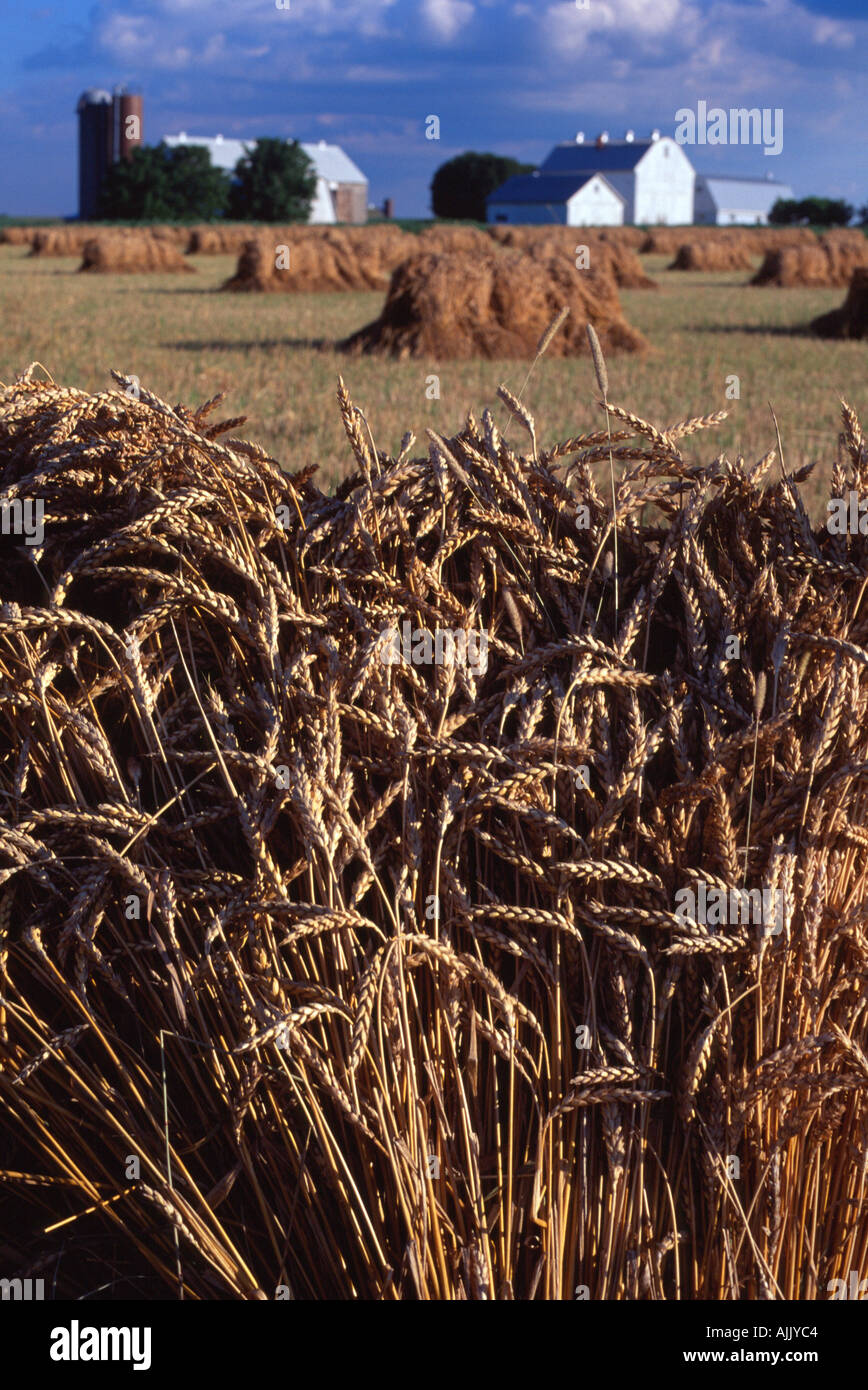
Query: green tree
{"points": [[826, 212], [815, 212], [164, 184], [785, 213], [273, 182], [461, 185]]}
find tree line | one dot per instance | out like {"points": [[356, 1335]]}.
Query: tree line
{"points": [[274, 181], [816, 212]]}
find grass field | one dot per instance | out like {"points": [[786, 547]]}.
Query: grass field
{"points": [[272, 355]]}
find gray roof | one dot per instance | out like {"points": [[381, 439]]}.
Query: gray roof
{"points": [[225, 154], [740, 178], [544, 188], [616, 156], [333, 164], [748, 195], [329, 161]]}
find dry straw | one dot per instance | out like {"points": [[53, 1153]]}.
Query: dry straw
{"points": [[406, 934]]}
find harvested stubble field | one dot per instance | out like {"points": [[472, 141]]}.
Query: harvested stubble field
{"points": [[189, 342], [344, 917]]}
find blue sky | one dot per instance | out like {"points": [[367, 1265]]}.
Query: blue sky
{"points": [[512, 76]]}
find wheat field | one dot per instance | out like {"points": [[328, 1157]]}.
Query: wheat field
{"points": [[335, 976], [189, 343]]}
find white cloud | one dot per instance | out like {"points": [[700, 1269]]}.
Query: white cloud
{"points": [[641, 17], [371, 72], [570, 28], [126, 36], [214, 48], [830, 31], [446, 17]]}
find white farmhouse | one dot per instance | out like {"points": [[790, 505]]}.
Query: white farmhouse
{"points": [[653, 178], [576, 200], [725, 201], [341, 187]]}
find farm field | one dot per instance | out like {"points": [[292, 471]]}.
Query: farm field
{"points": [[369, 919], [272, 355]]}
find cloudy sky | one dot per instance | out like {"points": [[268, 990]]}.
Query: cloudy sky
{"points": [[512, 76]]}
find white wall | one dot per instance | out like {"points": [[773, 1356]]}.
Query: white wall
{"points": [[322, 209], [595, 205], [741, 217], [664, 186]]}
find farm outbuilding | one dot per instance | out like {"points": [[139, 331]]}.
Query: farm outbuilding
{"points": [[341, 187], [575, 200], [726, 201], [653, 178]]}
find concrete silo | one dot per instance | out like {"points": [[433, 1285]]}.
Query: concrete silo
{"points": [[94, 148], [127, 123]]}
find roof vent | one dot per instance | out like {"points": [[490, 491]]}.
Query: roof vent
{"points": [[580, 137], [630, 137], [655, 135], [603, 137], [219, 140]]}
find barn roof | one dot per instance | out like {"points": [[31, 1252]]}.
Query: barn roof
{"points": [[225, 154], [749, 195], [545, 188], [616, 156], [330, 161], [333, 163]]}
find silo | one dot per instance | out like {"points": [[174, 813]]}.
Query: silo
{"points": [[127, 125], [94, 148]]}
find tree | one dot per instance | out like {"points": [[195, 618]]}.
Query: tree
{"points": [[274, 182], [827, 212], [785, 213], [815, 212], [461, 185], [163, 184]]}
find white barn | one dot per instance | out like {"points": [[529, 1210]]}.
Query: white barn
{"points": [[653, 178], [341, 187], [724, 201], [575, 200]]}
